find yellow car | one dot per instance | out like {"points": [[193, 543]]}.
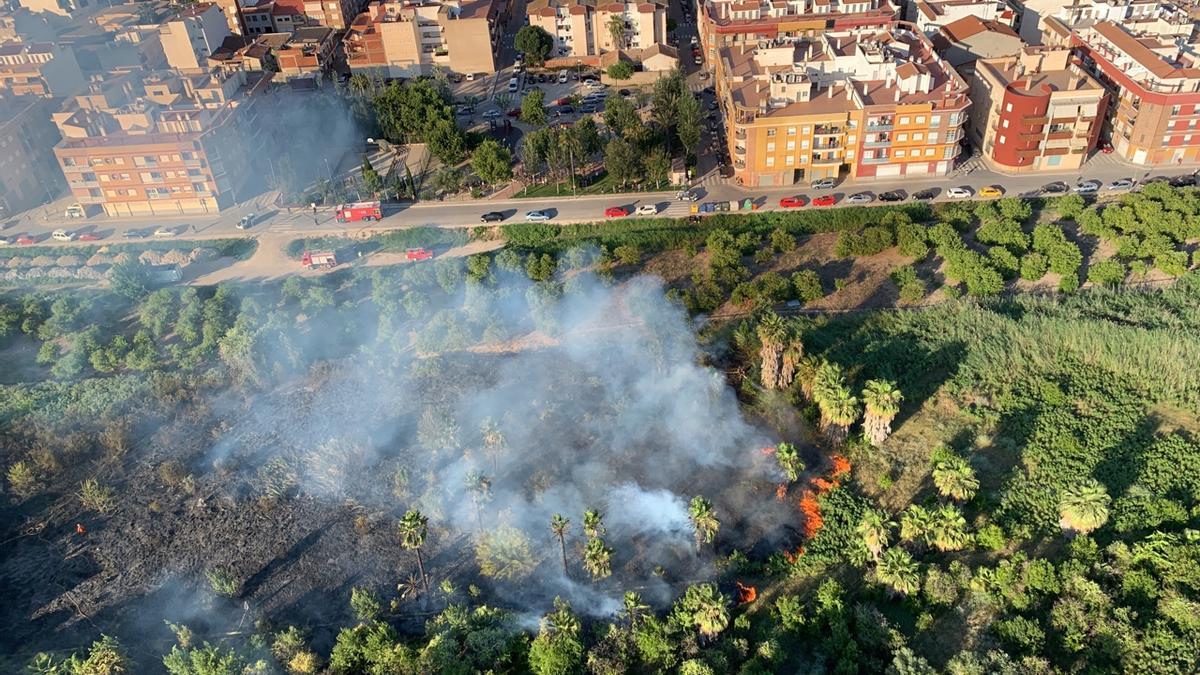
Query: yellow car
{"points": [[991, 191]]}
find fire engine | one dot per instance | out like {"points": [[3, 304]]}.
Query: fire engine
{"points": [[312, 259], [360, 211], [418, 254]]}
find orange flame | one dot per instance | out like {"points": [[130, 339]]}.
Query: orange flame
{"points": [[781, 491], [746, 594], [841, 466], [80, 529], [812, 514], [792, 556], [768, 451]]}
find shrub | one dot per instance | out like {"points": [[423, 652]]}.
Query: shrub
{"points": [[223, 582], [627, 254], [765, 289], [22, 479], [873, 240], [1003, 232], [1033, 266], [621, 70], [913, 291], [1004, 261], [781, 241], [1106, 273], [96, 497], [807, 286], [903, 275], [364, 603], [1174, 263], [1069, 283], [913, 240], [991, 537], [1069, 206]]}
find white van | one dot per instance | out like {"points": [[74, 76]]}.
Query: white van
{"points": [[76, 210], [514, 84]]}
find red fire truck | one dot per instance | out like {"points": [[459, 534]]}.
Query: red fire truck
{"points": [[418, 254], [360, 211], [313, 259]]}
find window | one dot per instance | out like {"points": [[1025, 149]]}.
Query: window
{"points": [[806, 130], [900, 138], [949, 153], [770, 133], [929, 152], [1007, 107], [903, 120], [933, 137], [1004, 123], [1002, 139], [789, 160], [936, 120], [899, 153], [791, 145], [918, 136], [771, 147], [1175, 110], [770, 161], [804, 144], [791, 131], [920, 119], [1166, 140]]}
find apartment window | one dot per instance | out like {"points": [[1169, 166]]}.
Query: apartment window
{"points": [[806, 130], [1166, 140], [770, 133], [1007, 107], [920, 119], [929, 152], [1004, 123], [904, 120], [804, 144], [770, 161], [200, 187], [1187, 140], [899, 154], [900, 138], [791, 145], [918, 136], [933, 137], [69, 161], [789, 160], [791, 131], [770, 147], [954, 117], [949, 153], [935, 121], [1002, 139], [1175, 110]]}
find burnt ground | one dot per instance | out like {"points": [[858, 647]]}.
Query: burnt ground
{"points": [[196, 492]]}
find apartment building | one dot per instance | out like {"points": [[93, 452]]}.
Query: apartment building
{"points": [[1154, 85], [66, 8], [28, 173], [1152, 17], [408, 39], [193, 35], [306, 52], [156, 143], [862, 103], [38, 69], [931, 15], [1036, 111], [588, 28], [970, 38], [256, 17], [726, 23]]}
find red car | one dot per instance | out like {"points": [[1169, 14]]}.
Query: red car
{"points": [[1106, 148], [515, 112], [26, 240], [89, 236], [616, 212], [825, 200], [792, 202], [418, 254]]}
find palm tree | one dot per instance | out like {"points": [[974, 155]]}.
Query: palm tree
{"points": [[899, 571], [480, 487], [634, 607], [704, 607], [597, 558], [559, 526], [562, 621], [593, 523], [360, 84], [827, 381], [876, 531], [1084, 507], [789, 365], [882, 401], [948, 529], [704, 520], [414, 529], [838, 411], [772, 334], [955, 479], [789, 461], [493, 441], [616, 29], [915, 523]]}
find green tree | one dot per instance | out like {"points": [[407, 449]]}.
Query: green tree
{"points": [[104, 657], [1083, 507], [597, 558], [704, 520], [664, 101], [621, 70], [876, 531], [897, 570], [881, 400], [948, 529], [371, 179], [688, 120], [838, 410], [364, 603], [915, 524], [621, 118], [414, 530], [446, 141], [156, 311], [955, 479], [593, 523], [616, 31], [703, 608], [129, 279], [587, 136], [533, 109], [557, 649], [559, 526], [492, 162], [535, 43], [621, 161], [207, 659], [505, 554], [788, 458], [657, 167]]}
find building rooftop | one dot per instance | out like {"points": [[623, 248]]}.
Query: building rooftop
{"points": [[969, 26], [1164, 60], [1041, 70]]}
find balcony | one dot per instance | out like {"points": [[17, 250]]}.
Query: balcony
{"points": [[880, 126], [739, 134], [876, 160], [832, 145], [84, 183], [826, 131], [739, 164], [739, 150], [832, 160]]}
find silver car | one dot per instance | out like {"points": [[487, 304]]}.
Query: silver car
{"points": [[537, 215], [860, 198]]}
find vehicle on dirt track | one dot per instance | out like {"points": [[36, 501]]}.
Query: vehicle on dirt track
{"points": [[418, 254], [314, 259], [359, 211]]}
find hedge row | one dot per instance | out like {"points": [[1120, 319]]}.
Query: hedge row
{"points": [[241, 248], [394, 240], [669, 233]]}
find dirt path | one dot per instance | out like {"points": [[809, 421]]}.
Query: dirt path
{"points": [[270, 262]]}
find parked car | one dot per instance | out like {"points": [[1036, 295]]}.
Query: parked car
{"points": [[471, 77], [89, 236], [991, 191], [26, 240], [1106, 148], [1055, 188], [860, 198], [134, 234], [491, 114], [825, 200], [891, 196], [563, 77], [491, 217], [537, 215], [792, 202], [647, 210], [76, 210], [164, 232], [593, 84], [5, 241], [824, 184], [515, 112], [62, 235], [688, 196], [961, 192], [414, 254], [616, 212], [1188, 180], [246, 221], [1121, 184], [1087, 187], [924, 195]]}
